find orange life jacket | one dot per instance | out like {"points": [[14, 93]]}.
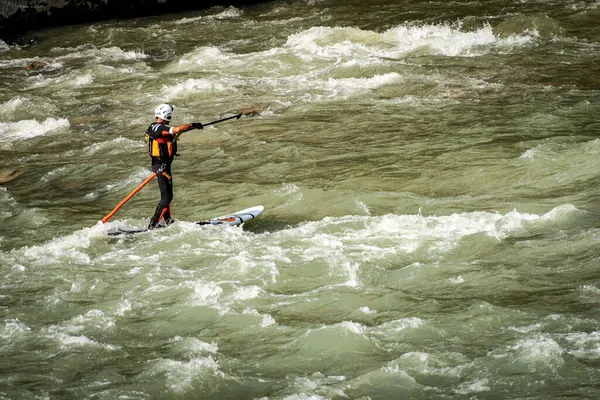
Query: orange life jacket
{"points": [[162, 147]]}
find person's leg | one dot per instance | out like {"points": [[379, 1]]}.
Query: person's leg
{"points": [[167, 214], [163, 209]]}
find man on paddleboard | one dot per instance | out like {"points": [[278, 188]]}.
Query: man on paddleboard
{"points": [[162, 148]]}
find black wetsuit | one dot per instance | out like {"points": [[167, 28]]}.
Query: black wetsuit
{"points": [[162, 148]]}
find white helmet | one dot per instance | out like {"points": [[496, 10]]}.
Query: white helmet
{"points": [[163, 111]]}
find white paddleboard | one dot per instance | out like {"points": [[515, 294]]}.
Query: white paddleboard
{"points": [[236, 218]]}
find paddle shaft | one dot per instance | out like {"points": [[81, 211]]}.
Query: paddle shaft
{"points": [[126, 199], [215, 122], [224, 119]]}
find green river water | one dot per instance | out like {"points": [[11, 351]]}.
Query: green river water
{"points": [[429, 172]]}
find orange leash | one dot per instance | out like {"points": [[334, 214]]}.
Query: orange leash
{"points": [[129, 196]]}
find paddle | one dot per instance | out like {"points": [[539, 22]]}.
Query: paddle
{"points": [[224, 119], [237, 116], [126, 199]]}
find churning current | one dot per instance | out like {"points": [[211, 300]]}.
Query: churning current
{"points": [[429, 172]]}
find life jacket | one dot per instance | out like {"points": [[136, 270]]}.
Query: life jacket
{"points": [[165, 148]]}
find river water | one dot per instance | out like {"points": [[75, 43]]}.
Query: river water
{"points": [[429, 172]]}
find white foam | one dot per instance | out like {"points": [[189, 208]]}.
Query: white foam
{"points": [[95, 320], [397, 42], [435, 364], [70, 249], [346, 87], [330, 63], [584, 345], [8, 108], [22, 62], [200, 57], [70, 333], [83, 80], [134, 271], [124, 306], [193, 86], [247, 293], [90, 196], [455, 226], [112, 53], [27, 129], [6, 197], [230, 13], [444, 39], [188, 20], [353, 327], [266, 319], [363, 207], [116, 144], [309, 386], [343, 244], [389, 375], [181, 375], [457, 280], [474, 386], [538, 352], [528, 154], [204, 293], [69, 341], [19, 268], [196, 346], [333, 42], [559, 212], [397, 326], [287, 188], [591, 289], [13, 330]]}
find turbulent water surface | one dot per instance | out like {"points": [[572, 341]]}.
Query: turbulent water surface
{"points": [[429, 172]]}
